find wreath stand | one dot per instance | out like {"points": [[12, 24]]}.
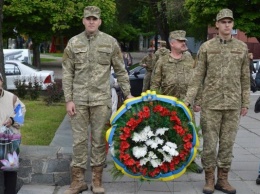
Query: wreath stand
{"points": [[169, 187]]}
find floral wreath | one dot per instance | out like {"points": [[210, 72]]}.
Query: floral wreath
{"points": [[152, 137]]}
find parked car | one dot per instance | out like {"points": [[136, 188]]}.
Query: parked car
{"points": [[136, 78], [257, 66], [17, 70]]}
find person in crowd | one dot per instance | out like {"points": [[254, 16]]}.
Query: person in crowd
{"points": [[162, 51], [127, 59], [224, 99], [257, 79], [8, 103], [86, 64], [252, 70], [148, 62]]}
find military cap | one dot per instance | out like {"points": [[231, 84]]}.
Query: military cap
{"points": [[224, 13], [178, 35], [92, 11], [162, 42]]}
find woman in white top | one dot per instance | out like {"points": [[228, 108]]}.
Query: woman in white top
{"points": [[8, 102]]}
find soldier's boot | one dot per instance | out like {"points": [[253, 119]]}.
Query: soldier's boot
{"points": [[96, 186], [78, 183], [210, 180], [222, 182]]}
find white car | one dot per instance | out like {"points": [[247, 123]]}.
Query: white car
{"points": [[16, 70]]}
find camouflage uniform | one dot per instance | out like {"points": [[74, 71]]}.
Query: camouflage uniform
{"points": [[162, 51], [222, 68], [149, 60], [171, 76], [86, 66]]}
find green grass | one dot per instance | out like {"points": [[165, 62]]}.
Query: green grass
{"points": [[54, 54], [41, 122], [47, 60]]}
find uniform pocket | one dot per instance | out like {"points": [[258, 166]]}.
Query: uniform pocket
{"points": [[80, 55], [104, 56]]}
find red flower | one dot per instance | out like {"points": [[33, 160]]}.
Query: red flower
{"points": [[129, 162], [132, 123], [125, 136], [158, 108], [187, 146], [124, 145], [124, 156], [179, 129], [187, 137], [126, 130], [164, 167]]}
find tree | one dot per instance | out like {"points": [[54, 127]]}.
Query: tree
{"points": [[246, 14], [41, 19], [2, 67]]}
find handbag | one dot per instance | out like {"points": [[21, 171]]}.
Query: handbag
{"points": [[9, 149], [257, 106]]}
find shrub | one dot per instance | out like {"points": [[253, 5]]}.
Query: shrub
{"points": [[21, 88], [54, 92]]}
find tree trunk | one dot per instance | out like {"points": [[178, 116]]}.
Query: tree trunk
{"points": [[36, 56], [161, 19], [2, 66]]}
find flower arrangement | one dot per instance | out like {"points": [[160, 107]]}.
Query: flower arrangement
{"points": [[152, 137]]}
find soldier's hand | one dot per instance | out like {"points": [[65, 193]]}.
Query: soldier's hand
{"points": [[70, 108], [129, 96], [196, 108], [243, 111]]}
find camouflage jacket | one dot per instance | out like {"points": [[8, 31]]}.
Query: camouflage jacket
{"points": [[172, 76], [161, 52], [87, 65], [223, 71], [149, 61]]}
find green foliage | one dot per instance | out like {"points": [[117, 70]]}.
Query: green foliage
{"points": [[246, 14], [54, 93], [34, 88], [29, 90], [21, 88]]}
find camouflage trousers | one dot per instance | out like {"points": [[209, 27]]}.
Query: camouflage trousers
{"points": [[147, 81], [96, 118], [219, 128]]}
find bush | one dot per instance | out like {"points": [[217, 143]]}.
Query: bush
{"points": [[21, 88], [54, 93], [32, 88]]}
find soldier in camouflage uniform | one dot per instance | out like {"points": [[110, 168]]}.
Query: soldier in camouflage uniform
{"points": [[222, 68], [87, 62], [148, 62], [162, 51], [174, 70]]}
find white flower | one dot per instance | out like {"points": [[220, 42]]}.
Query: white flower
{"points": [[139, 152], [152, 155], [170, 148], [143, 161], [153, 143], [147, 130], [161, 131], [159, 140], [156, 162], [136, 137], [166, 157], [171, 145]]}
